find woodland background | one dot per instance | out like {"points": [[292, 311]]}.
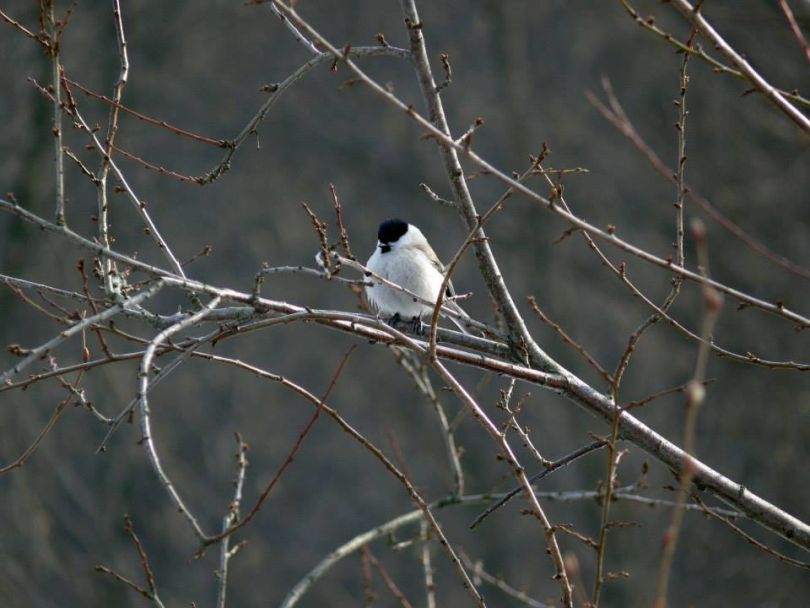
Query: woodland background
{"points": [[522, 66]]}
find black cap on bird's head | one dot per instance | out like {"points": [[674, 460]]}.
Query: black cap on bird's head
{"points": [[391, 230]]}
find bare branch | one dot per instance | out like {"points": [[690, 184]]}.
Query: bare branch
{"points": [[287, 461], [478, 569], [140, 206], [118, 106], [570, 341], [56, 70], [416, 369], [616, 115], [24, 30], [631, 429], [697, 51], [150, 592], [695, 394], [726, 518], [389, 582], [448, 144], [225, 551], [794, 27], [550, 468], [55, 416], [43, 349], [693, 14], [427, 568], [519, 472], [277, 90], [147, 439]]}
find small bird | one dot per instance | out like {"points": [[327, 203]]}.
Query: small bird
{"points": [[403, 256]]}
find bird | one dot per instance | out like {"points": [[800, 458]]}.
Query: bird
{"points": [[404, 256]]}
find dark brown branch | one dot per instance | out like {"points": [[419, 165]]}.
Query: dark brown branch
{"points": [[794, 27], [287, 461], [550, 468], [570, 341], [219, 143]]}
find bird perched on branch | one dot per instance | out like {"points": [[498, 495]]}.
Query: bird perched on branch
{"points": [[404, 257]]}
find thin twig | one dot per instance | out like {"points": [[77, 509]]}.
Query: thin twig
{"points": [[306, 42], [150, 592], [550, 468], [668, 391], [695, 394], [725, 517], [56, 129], [287, 461], [25, 31], [624, 361], [389, 582], [117, 105], [36, 353], [86, 289], [320, 230], [63, 318], [123, 579], [616, 115], [225, 552], [277, 90], [414, 367], [55, 416], [520, 474], [369, 596], [512, 422], [140, 206], [794, 27], [106, 266], [427, 567], [570, 341], [26, 284], [435, 197], [156, 168], [448, 72], [698, 51], [343, 233], [496, 581], [147, 568], [695, 16]]}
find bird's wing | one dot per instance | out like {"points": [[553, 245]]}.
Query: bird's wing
{"points": [[434, 260], [427, 250]]}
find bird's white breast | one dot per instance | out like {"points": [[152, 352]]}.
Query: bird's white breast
{"points": [[409, 268]]}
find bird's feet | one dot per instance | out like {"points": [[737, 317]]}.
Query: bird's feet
{"points": [[415, 324]]}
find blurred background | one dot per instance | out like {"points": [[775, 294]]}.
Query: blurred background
{"points": [[525, 68]]}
